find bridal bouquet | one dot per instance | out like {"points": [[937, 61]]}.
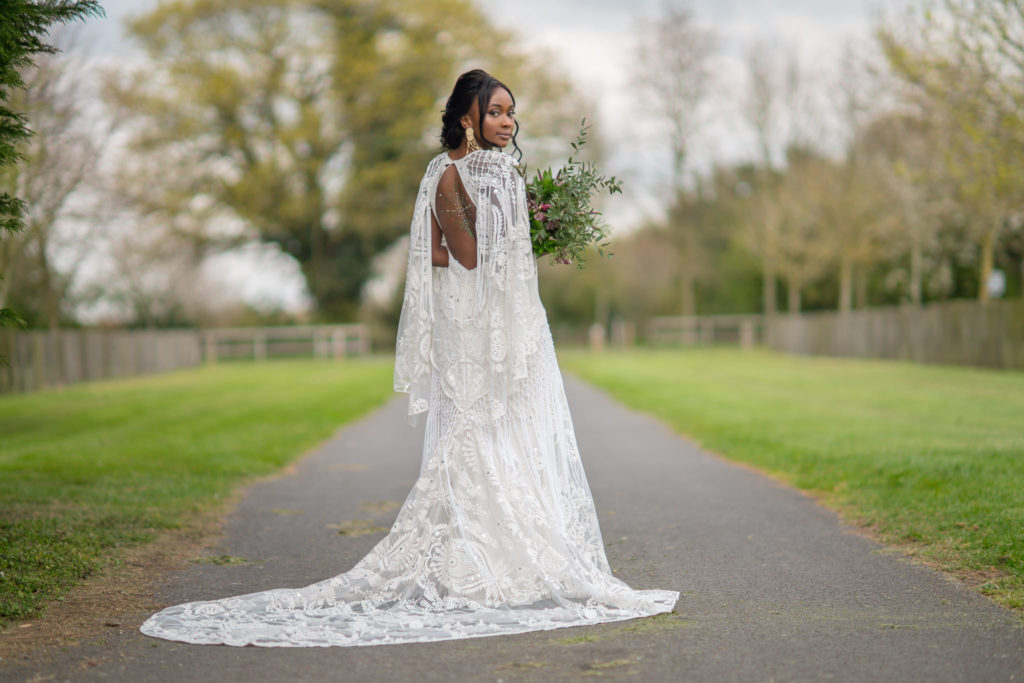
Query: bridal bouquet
{"points": [[562, 221]]}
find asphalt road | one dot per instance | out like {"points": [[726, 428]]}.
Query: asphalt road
{"points": [[773, 587]]}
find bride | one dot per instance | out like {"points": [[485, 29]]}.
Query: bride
{"points": [[499, 534]]}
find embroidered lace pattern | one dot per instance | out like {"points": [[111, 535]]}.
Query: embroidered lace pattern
{"points": [[499, 534]]}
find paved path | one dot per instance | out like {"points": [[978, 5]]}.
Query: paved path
{"points": [[774, 588]]}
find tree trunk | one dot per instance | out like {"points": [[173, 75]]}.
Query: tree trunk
{"points": [[601, 305], [794, 297], [5, 287], [9, 253], [861, 278], [678, 164], [1021, 280], [915, 268], [50, 298], [768, 287], [845, 284], [987, 248], [689, 303]]}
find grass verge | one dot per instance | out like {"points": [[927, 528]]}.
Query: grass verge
{"points": [[928, 458], [91, 470]]}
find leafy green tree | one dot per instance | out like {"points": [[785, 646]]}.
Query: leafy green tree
{"points": [[308, 123], [699, 224], [904, 147], [59, 162], [773, 106], [23, 27], [962, 63], [803, 248]]}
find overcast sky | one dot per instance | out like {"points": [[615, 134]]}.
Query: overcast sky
{"points": [[593, 40]]}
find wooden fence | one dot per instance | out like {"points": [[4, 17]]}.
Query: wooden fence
{"points": [[43, 359], [961, 332], [745, 331], [53, 358], [258, 343], [957, 332]]}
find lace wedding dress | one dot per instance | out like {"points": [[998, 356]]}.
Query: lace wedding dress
{"points": [[499, 534]]}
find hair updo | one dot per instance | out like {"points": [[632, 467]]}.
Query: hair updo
{"points": [[473, 84]]}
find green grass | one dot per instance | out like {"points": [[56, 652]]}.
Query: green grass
{"points": [[93, 468], [929, 457]]}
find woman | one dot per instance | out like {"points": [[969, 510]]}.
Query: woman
{"points": [[499, 534]]}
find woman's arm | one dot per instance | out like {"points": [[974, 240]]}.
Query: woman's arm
{"points": [[438, 252]]}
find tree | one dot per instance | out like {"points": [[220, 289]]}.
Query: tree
{"points": [[856, 204], [776, 106], [23, 27], [803, 247], [674, 79], [905, 146], [698, 228], [60, 160], [304, 124], [773, 79], [962, 62]]}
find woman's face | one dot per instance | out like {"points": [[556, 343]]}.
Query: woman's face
{"points": [[499, 121]]}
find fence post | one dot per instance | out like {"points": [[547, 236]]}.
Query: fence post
{"points": [[364, 340], [210, 341], [707, 331], [596, 337], [259, 346], [318, 345], [746, 334]]}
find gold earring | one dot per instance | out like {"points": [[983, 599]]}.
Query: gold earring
{"points": [[471, 143]]}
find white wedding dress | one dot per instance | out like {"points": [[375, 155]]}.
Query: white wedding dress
{"points": [[499, 534]]}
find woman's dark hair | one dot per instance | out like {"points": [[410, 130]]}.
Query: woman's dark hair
{"points": [[473, 84]]}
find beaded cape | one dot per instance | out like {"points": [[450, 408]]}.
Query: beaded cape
{"points": [[499, 534]]}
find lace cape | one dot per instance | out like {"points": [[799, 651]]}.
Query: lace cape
{"points": [[499, 533], [505, 281]]}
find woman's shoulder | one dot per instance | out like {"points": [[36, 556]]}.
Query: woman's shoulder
{"points": [[487, 166], [438, 162], [435, 168], [487, 162], [491, 157]]}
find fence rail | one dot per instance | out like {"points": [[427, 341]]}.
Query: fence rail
{"points": [[957, 332], [691, 330], [960, 332], [54, 358], [258, 343]]}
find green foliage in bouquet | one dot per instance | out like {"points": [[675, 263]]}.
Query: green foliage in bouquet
{"points": [[562, 222]]}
